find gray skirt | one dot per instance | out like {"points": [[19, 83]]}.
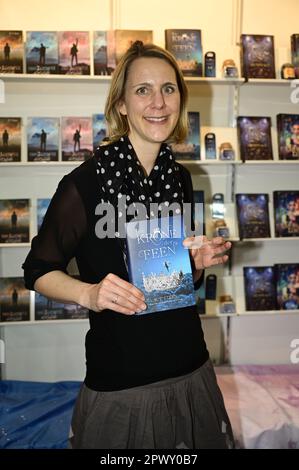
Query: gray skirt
{"points": [[186, 412]]}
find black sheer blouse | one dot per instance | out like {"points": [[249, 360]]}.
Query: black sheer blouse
{"points": [[121, 351]]}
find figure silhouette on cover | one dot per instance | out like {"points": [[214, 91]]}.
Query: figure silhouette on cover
{"points": [[43, 140], [6, 51], [74, 53], [76, 139], [42, 54], [5, 137]]}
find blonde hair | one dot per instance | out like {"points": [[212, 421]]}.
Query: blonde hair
{"points": [[117, 122]]}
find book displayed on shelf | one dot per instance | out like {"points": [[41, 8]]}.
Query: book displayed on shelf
{"points": [[41, 52], [254, 134], [158, 263], [286, 213], [41, 209], [74, 52], [11, 138], [48, 309], [124, 38], [42, 139], [14, 221], [11, 52], [186, 46], [99, 129], [253, 215], [76, 137], [295, 52], [287, 286], [14, 300], [100, 57], [288, 136], [257, 56], [189, 150], [260, 288]]}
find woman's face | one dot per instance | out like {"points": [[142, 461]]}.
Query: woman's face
{"points": [[151, 102]]}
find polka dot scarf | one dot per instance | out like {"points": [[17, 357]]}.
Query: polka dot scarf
{"points": [[120, 174]]}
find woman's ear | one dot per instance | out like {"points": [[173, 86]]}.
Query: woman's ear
{"points": [[122, 108]]}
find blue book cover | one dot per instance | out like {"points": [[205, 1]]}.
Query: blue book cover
{"points": [[42, 52], [260, 288], [190, 149], [42, 139], [41, 209], [99, 129], [158, 263], [186, 46]]}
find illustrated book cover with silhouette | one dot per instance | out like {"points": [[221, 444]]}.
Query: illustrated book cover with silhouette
{"points": [[14, 300], [74, 53], [253, 215], [254, 134], [286, 213], [76, 138], [186, 46], [158, 263], [99, 129], [260, 288], [14, 221], [41, 52], [10, 139], [190, 149], [11, 51], [42, 139]]}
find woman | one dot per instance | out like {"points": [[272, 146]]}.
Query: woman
{"points": [[149, 381]]}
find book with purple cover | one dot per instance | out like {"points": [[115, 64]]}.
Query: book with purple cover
{"points": [[76, 135], [254, 134], [74, 52], [257, 56], [253, 215], [260, 288]]}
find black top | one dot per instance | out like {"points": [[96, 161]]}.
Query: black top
{"points": [[121, 351]]}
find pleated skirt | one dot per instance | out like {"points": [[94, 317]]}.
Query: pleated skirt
{"points": [[186, 412]]}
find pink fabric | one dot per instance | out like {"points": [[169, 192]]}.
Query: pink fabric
{"points": [[263, 405]]}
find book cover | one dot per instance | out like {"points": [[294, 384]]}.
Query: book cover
{"points": [[124, 38], [100, 57], [42, 139], [11, 52], [287, 286], [253, 215], [74, 52], [11, 137], [295, 52], [41, 209], [14, 300], [159, 265], [189, 150], [254, 135], [257, 56], [288, 136], [286, 213], [260, 288], [14, 220], [41, 52], [99, 129], [186, 46], [76, 135], [48, 309]]}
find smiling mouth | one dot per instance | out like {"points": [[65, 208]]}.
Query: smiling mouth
{"points": [[156, 119]]}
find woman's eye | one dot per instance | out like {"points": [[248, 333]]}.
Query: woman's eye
{"points": [[169, 89], [142, 91]]}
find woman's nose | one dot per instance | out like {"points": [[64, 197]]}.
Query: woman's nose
{"points": [[158, 99]]}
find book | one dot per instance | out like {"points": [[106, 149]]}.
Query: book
{"points": [[257, 56], [100, 56], [253, 215], [42, 139], [14, 221], [295, 52], [41, 52], [41, 209], [254, 134], [190, 149], [99, 129], [124, 38], [158, 263], [286, 213], [74, 52], [186, 46], [14, 300], [287, 286], [288, 136], [11, 52], [260, 288], [48, 309], [11, 137], [76, 135]]}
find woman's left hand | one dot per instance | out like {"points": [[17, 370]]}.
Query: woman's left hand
{"points": [[205, 252]]}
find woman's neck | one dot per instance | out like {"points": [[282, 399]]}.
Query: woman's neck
{"points": [[146, 154]]}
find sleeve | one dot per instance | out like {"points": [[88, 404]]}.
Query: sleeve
{"points": [[64, 225]]}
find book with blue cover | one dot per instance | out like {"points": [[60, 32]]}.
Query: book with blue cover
{"points": [[158, 263], [186, 46], [190, 149], [260, 288]]}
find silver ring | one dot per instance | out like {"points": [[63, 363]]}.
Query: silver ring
{"points": [[115, 300]]}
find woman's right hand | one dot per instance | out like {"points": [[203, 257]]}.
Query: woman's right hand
{"points": [[113, 293]]}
